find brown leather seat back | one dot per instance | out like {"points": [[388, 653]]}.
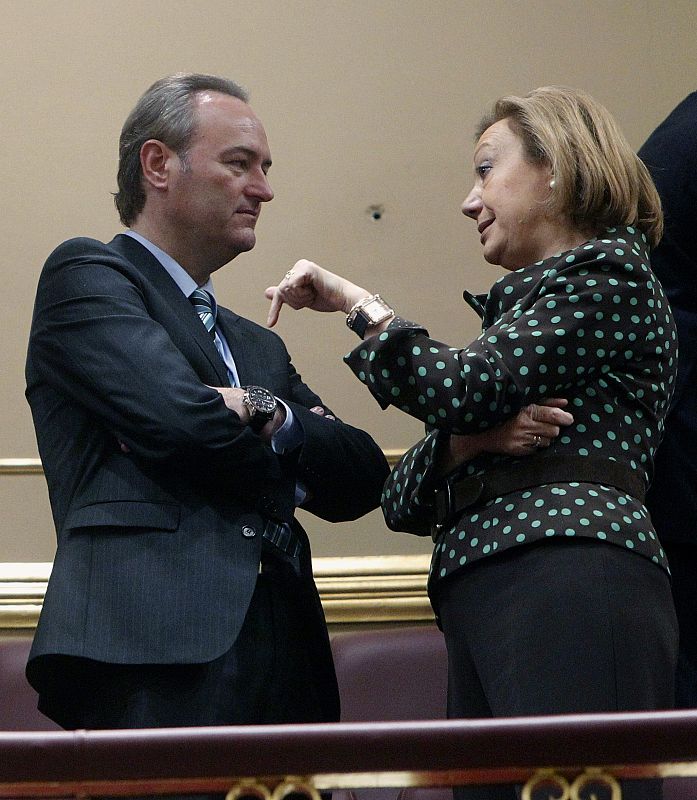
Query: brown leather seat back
{"points": [[391, 674], [18, 711]]}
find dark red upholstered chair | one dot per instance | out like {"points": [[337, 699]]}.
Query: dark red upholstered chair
{"points": [[680, 789], [392, 674], [401, 674], [18, 711], [426, 793], [389, 675]]}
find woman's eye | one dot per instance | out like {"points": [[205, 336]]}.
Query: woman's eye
{"points": [[482, 170]]}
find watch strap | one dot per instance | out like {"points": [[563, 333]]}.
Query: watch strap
{"points": [[258, 420]]}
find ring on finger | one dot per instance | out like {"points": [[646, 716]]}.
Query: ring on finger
{"points": [[537, 440], [288, 274]]}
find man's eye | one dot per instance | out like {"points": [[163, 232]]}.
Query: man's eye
{"points": [[238, 163]]}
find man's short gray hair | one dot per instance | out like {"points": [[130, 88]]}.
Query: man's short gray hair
{"points": [[165, 112]]}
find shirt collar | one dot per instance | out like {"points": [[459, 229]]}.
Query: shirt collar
{"points": [[178, 274]]}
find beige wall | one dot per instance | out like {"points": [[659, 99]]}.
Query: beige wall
{"points": [[365, 102]]}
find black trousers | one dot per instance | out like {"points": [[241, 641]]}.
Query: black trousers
{"points": [[559, 627], [279, 670], [683, 566]]}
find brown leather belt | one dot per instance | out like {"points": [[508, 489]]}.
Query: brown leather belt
{"points": [[459, 493]]}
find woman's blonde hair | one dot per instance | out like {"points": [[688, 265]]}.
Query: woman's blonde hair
{"points": [[599, 181]]}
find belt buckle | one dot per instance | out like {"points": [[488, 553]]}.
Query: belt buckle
{"points": [[443, 507], [446, 503]]}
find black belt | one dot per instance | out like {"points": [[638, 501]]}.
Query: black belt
{"points": [[459, 493], [282, 536]]}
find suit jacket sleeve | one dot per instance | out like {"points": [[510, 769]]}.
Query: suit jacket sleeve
{"points": [[340, 466], [670, 153]]}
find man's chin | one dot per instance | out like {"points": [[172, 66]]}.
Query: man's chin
{"points": [[243, 242]]}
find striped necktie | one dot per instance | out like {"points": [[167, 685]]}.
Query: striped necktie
{"points": [[280, 536], [203, 303]]}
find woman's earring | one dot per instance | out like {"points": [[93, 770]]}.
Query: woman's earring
{"points": [[552, 183]]}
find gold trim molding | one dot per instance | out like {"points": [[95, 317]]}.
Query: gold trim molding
{"points": [[370, 589], [544, 782], [552, 783], [20, 466], [355, 590], [32, 466]]}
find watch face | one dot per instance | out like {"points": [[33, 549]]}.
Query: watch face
{"points": [[262, 400], [374, 309]]}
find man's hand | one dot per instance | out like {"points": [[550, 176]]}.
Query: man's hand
{"points": [[321, 412], [233, 400]]}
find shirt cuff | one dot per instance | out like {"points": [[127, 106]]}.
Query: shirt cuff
{"points": [[290, 435]]}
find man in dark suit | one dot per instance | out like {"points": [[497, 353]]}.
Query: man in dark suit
{"points": [[670, 153], [177, 440]]}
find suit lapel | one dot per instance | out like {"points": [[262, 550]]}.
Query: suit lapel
{"points": [[183, 323]]}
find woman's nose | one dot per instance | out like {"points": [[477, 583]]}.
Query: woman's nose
{"points": [[472, 204]]}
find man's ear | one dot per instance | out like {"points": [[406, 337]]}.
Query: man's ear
{"points": [[155, 163]]}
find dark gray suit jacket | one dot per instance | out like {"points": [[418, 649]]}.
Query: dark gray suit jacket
{"points": [[155, 562], [670, 153]]}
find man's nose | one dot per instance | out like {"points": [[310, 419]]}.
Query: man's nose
{"points": [[472, 204], [260, 188]]}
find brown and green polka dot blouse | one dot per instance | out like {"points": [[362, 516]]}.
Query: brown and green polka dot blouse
{"points": [[592, 325]]}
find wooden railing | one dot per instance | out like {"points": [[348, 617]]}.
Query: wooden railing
{"points": [[564, 755]]}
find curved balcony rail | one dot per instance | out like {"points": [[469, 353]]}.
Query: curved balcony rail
{"points": [[566, 754]]}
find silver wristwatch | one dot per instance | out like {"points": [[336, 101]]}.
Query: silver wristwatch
{"points": [[261, 404]]}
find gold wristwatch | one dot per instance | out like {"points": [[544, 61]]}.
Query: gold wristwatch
{"points": [[369, 311]]}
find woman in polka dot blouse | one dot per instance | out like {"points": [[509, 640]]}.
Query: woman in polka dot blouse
{"points": [[547, 578]]}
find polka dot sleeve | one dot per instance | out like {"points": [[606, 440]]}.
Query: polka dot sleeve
{"points": [[407, 482], [550, 330]]}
